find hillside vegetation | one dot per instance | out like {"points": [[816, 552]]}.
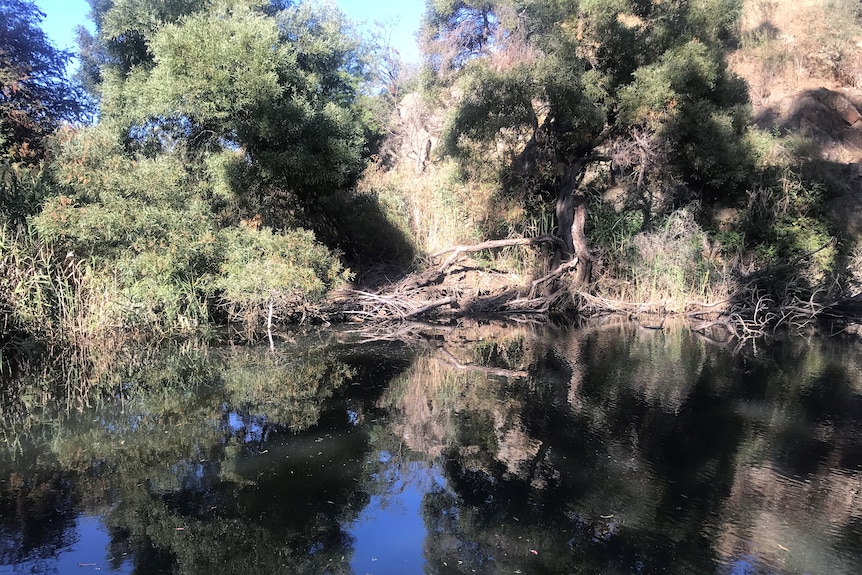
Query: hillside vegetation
{"points": [[746, 202], [250, 163]]}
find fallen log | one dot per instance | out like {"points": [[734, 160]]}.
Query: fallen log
{"points": [[458, 251], [429, 307]]}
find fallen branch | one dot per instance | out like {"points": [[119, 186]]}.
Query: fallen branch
{"points": [[558, 271], [601, 304], [429, 307], [532, 304], [457, 251]]}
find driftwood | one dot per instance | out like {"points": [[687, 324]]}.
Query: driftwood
{"points": [[434, 295], [397, 305], [429, 295], [554, 274]]}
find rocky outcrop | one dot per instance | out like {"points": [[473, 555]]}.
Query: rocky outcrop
{"points": [[829, 117]]}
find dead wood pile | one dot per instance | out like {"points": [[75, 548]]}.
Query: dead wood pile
{"points": [[454, 288]]}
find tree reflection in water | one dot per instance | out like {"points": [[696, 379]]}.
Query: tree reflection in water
{"points": [[630, 450], [608, 449]]}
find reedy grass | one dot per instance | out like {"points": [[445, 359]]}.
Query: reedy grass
{"points": [[672, 266], [50, 297], [44, 293]]}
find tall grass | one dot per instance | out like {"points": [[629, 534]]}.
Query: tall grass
{"points": [[672, 265], [43, 293], [436, 208]]}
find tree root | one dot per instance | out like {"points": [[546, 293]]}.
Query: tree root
{"points": [[435, 296]]}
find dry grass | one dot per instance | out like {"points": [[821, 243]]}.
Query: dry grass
{"points": [[792, 45], [669, 268], [435, 207]]}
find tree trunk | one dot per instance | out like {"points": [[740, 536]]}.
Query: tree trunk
{"points": [[565, 213], [579, 238], [571, 212]]}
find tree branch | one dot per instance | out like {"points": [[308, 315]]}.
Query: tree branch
{"points": [[457, 251]]}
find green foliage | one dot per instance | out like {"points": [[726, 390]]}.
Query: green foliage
{"points": [[283, 89], [492, 103], [222, 126], [613, 231], [571, 75], [118, 207], [124, 28], [690, 99], [22, 189], [235, 68], [156, 223], [785, 227], [718, 19], [260, 266], [671, 264]]}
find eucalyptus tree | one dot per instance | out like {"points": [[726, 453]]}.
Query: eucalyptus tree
{"points": [[573, 80]]}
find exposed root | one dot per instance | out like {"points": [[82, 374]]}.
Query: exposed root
{"points": [[447, 292]]}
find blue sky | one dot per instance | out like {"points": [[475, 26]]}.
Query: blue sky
{"points": [[400, 18]]}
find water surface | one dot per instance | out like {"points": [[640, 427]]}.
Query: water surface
{"points": [[482, 449]]}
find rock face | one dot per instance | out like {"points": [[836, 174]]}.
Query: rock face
{"points": [[846, 210], [832, 120], [839, 104], [418, 129], [829, 117]]}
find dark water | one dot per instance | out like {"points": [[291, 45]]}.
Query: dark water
{"points": [[498, 449]]}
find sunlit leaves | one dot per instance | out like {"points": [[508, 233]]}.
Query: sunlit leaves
{"points": [[603, 67], [260, 266], [216, 67], [281, 86], [211, 113]]}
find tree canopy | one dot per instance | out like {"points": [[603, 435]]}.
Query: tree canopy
{"points": [[575, 79], [35, 95], [280, 85]]}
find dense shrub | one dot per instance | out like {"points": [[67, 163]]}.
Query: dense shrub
{"points": [[260, 267], [156, 227]]}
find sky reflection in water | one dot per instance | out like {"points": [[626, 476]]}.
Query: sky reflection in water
{"points": [[389, 533]]}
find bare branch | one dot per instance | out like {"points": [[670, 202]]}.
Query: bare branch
{"points": [[459, 250]]}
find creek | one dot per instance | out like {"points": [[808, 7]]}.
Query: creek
{"points": [[609, 449]]}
